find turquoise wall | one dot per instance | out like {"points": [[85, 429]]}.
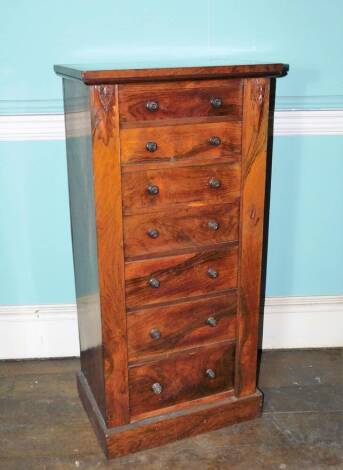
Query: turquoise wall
{"points": [[305, 250]]}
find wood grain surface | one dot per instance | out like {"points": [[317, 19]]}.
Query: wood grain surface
{"points": [[182, 377], [94, 76], [182, 325], [192, 227], [188, 142], [161, 429], [254, 155], [108, 209], [180, 276], [187, 185], [187, 99]]}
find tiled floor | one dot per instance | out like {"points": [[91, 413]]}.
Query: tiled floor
{"points": [[43, 426]]}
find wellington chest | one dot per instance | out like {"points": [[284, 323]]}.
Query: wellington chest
{"points": [[167, 172]]}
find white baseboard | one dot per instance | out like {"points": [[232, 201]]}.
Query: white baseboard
{"points": [[286, 122], [38, 331], [303, 322], [41, 331]]}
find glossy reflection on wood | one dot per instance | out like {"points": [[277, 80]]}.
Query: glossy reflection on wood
{"points": [[82, 212], [189, 185], [108, 209], [254, 148], [181, 377], [193, 227], [185, 99], [190, 142], [180, 276], [117, 74], [183, 325]]}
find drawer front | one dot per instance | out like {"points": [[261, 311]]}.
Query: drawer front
{"points": [[186, 376], [173, 277], [180, 142], [187, 324], [183, 99], [208, 184], [159, 232]]}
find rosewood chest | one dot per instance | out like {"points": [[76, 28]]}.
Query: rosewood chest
{"points": [[167, 171]]}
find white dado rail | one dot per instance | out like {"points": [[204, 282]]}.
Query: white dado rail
{"points": [[286, 122]]}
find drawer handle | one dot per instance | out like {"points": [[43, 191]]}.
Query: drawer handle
{"points": [[152, 105], [212, 273], [154, 283], [216, 102], [211, 321], [210, 374], [155, 333], [213, 225], [214, 183], [157, 388], [153, 233], [151, 146], [153, 189], [214, 140]]}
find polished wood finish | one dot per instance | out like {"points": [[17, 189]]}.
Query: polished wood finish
{"points": [[108, 209], [136, 74], [168, 427], [82, 212], [180, 276], [182, 325], [192, 227], [184, 99], [191, 186], [182, 377], [189, 142], [167, 179], [254, 156]]}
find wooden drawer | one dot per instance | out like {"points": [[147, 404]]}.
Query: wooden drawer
{"points": [[154, 189], [181, 99], [170, 278], [184, 325], [187, 142], [164, 231], [182, 377]]}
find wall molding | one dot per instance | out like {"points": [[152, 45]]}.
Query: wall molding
{"points": [[286, 122], [310, 122], [55, 105], [41, 331]]}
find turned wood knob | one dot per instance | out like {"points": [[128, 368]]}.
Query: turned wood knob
{"points": [[151, 146], [212, 273], [155, 333], [154, 283], [210, 373], [216, 102], [214, 183], [153, 233], [214, 140], [153, 189], [152, 105], [157, 388], [212, 321], [213, 225]]}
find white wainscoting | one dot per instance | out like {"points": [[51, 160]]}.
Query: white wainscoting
{"points": [[41, 331], [286, 122]]}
